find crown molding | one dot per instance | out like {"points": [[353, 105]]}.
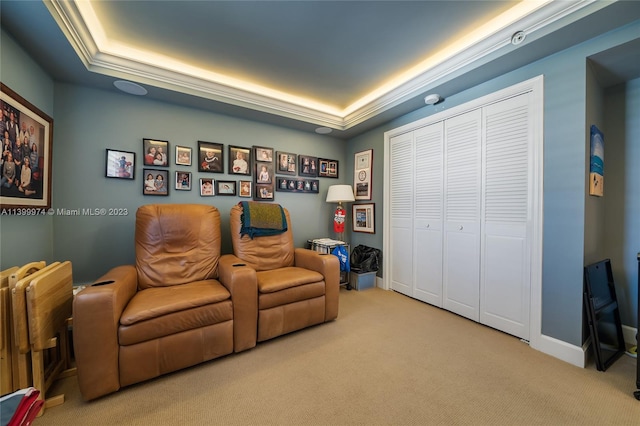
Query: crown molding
{"points": [[84, 32]]}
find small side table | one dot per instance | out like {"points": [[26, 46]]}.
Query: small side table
{"points": [[326, 245]]}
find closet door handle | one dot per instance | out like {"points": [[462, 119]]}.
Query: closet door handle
{"points": [[461, 227], [428, 225]]}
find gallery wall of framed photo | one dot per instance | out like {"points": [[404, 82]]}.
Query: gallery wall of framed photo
{"points": [[260, 170]]}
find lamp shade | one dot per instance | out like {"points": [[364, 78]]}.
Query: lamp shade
{"points": [[340, 193]]}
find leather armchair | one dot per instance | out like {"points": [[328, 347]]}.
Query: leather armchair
{"points": [[297, 287], [181, 304]]}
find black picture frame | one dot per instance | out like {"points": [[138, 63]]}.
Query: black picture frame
{"points": [[207, 187], [308, 166], [328, 168], [183, 180], [183, 155], [210, 157], [40, 126], [287, 184], [263, 192], [263, 154], [239, 160], [159, 187], [263, 172], [120, 164], [226, 187], [287, 163], [155, 152]]}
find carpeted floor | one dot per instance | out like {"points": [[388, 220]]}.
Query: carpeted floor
{"points": [[386, 360]]}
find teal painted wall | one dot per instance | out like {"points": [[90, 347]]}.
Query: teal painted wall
{"points": [[25, 239]]}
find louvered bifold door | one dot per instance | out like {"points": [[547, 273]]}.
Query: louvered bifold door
{"points": [[427, 219], [462, 177], [506, 216], [401, 212]]}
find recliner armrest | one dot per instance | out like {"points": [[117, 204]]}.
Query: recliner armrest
{"points": [[96, 317], [329, 266], [242, 283]]}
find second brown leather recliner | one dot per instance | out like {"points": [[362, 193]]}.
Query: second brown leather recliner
{"points": [[297, 287]]}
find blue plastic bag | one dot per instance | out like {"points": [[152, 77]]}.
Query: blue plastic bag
{"points": [[343, 256]]}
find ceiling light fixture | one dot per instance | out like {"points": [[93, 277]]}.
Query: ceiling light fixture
{"points": [[130, 87], [432, 99], [324, 130]]}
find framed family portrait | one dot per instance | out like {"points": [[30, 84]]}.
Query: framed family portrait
{"points": [[206, 187], [308, 166], [362, 174], [183, 181], [155, 182], [245, 189], [183, 156], [364, 218], [239, 160], [156, 152], [120, 164], [328, 168], [28, 133], [287, 163], [210, 157], [225, 187]]}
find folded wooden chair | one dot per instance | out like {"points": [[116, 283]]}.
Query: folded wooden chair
{"points": [[49, 306], [6, 331], [20, 356]]}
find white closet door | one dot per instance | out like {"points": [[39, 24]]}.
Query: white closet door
{"points": [[506, 219], [401, 223], [428, 214], [461, 262]]}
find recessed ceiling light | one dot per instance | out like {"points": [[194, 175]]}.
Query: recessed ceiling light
{"points": [[324, 130], [130, 87], [432, 99]]}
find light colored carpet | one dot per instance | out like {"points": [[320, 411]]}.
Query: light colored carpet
{"points": [[386, 360]]}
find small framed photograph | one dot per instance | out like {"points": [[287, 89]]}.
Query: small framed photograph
{"points": [[245, 189], [183, 181], [263, 192], [206, 187], [225, 187], [155, 182], [120, 164], [308, 166], [183, 156], [364, 218], [264, 172], [263, 154], [156, 152], [328, 168], [287, 163], [239, 160], [363, 161], [210, 157], [286, 184]]}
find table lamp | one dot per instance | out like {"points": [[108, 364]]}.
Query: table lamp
{"points": [[340, 194]]}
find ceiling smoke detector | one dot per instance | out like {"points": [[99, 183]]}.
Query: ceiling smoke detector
{"points": [[432, 99], [518, 38], [130, 87]]}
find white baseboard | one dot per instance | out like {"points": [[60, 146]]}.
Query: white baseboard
{"points": [[629, 334], [564, 351]]}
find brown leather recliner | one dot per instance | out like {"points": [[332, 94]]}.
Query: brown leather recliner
{"points": [[182, 303], [297, 287]]}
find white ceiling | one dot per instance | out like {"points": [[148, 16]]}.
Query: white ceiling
{"points": [[348, 65]]}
